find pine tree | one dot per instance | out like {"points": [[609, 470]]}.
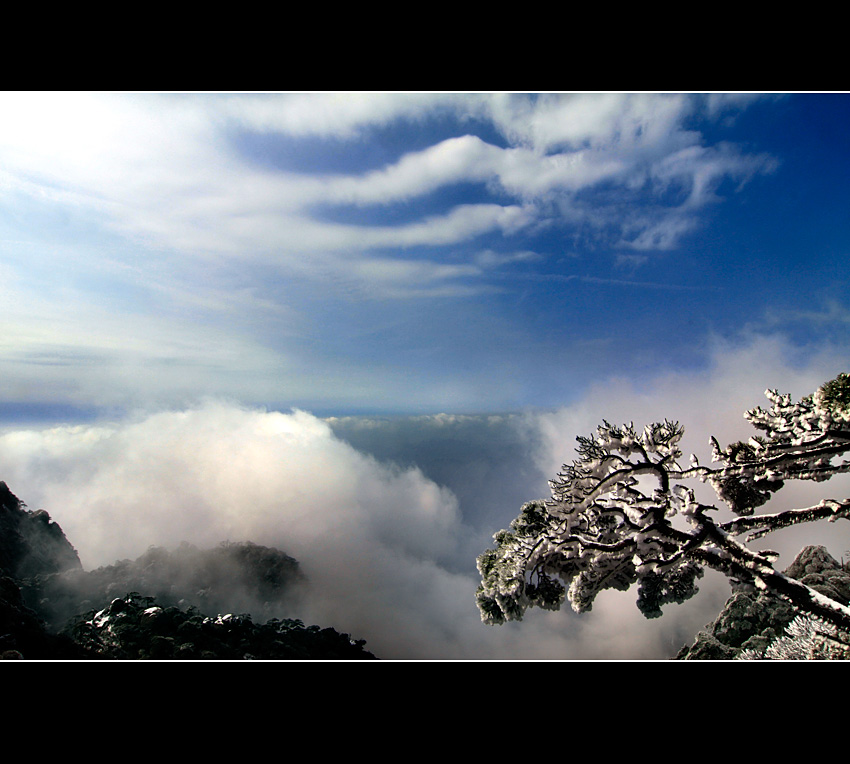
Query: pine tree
{"points": [[610, 520]]}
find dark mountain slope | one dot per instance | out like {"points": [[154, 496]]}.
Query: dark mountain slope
{"points": [[153, 607]]}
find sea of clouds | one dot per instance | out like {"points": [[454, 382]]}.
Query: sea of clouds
{"points": [[387, 515]]}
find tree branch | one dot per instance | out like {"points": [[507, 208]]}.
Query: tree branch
{"points": [[761, 525]]}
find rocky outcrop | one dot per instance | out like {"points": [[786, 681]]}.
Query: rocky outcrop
{"points": [[50, 608], [233, 577], [30, 542], [815, 567], [751, 622], [23, 634], [134, 627]]}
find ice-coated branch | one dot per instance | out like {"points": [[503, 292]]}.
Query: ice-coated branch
{"points": [[761, 525], [608, 523]]}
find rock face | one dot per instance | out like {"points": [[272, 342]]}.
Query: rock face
{"points": [[816, 568], [50, 608], [23, 633], [751, 622], [134, 627], [233, 577], [30, 542]]}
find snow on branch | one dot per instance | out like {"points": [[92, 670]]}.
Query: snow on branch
{"points": [[805, 638], [608, 523]]}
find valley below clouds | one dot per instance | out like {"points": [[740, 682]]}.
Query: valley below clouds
{"points": [[386, 515]]}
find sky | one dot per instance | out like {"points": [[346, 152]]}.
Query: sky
{"points": [[365, 327]]}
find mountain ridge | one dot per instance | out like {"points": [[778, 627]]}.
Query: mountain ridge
{"points": [[187, 603]]}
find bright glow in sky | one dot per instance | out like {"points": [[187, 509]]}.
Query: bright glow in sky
{"points": [[554, 257], [404, 252]]}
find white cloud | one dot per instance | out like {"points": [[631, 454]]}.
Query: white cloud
{"points": [[153, 244], [338, 115], [388, 278], [463, 159], [65, 347], [523, 172], [712, 401], [160, 168], [489, 259], [553, 122], [379, 543], [221, 472], [658, 233], [386, 548], [462, 223]]}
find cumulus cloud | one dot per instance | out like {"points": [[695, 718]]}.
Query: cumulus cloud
{"points": [[366, 533], [186, 474], [386, 549], [386, 516]]}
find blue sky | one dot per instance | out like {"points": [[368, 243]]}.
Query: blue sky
{"points": [[405, 253], [365, 327]]}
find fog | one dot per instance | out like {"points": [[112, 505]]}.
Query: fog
{"points": [[386, 516]]}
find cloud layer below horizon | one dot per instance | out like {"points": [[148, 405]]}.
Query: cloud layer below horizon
{"points": [[389, 544], [365, 327]]}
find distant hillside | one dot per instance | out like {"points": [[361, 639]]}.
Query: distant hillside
{"points": [[233, 577], [184, 604]]}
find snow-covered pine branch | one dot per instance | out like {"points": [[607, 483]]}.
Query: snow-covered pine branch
{"points": [[805, 638], [608, 523]]}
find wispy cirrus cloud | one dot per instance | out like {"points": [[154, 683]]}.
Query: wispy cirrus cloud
{"points": [[145, 208], [160, 166]]}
